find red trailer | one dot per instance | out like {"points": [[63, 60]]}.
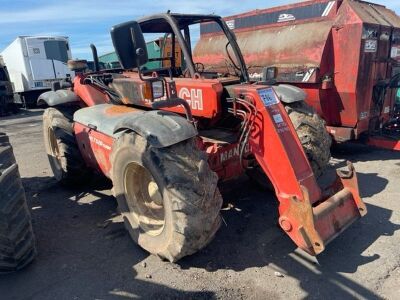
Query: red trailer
{"points": [[342, 53]]}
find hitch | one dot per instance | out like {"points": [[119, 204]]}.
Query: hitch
{"points": [[313, 226]]}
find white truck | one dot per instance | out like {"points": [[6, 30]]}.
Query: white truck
{"points": [[34, 62]]}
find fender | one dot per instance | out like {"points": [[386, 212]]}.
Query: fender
{"points": [[289, 94], [160, 128], [54, 98]]}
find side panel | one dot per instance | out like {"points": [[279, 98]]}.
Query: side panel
{"points": [[15, 58], [203, 95], [95, 148], [346, 46]]}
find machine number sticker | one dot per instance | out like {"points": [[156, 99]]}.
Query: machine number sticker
{"points": [[363, 115], [268, 97], [395, 52], [386, 110], [370, 45]]}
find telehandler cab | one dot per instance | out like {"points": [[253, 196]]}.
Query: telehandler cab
{"points": [[166, 137]]}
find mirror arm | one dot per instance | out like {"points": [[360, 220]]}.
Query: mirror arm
{"points": [[172, 103]]}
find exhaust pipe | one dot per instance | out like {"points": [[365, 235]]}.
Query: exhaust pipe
{"points": [[95, 58]]}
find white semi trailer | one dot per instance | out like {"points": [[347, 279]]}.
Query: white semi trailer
{"points": [[34, 62]]}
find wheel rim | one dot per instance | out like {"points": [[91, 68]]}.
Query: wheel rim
{"points": [[54, 150], [144, 199]]}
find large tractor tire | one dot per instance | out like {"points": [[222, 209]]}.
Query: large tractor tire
{"points": [[17, 242], [62, 150], [314, 137], [168, 197], [316, 141]]}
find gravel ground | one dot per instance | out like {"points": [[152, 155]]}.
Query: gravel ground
{"points": [[85, 253]]}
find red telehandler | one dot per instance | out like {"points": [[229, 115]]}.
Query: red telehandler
{"points": [[166, 137]]}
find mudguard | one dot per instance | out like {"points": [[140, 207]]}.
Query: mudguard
{"points": [[289, 94], [159, 128], [54, 98]]}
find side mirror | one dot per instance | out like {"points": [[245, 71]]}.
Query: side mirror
{"points": [[129, 44]]}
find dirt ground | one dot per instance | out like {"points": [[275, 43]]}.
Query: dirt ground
{"points": [[85, 253]]}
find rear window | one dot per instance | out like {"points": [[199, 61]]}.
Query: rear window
{"points": [[56, 50]]}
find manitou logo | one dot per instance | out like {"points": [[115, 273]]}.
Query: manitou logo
{"points": [[193, 96], [99, 142], [232, 153]]}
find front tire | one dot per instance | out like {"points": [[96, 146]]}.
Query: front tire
{"points": [[313, 136], [168, 196]]}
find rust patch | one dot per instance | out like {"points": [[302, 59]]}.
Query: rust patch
{"points": [[119, 109]]}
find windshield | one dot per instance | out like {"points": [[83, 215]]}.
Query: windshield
{"points": [[181, 49]]}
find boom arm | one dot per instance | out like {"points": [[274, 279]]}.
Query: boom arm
{"points": [[310, 217]]}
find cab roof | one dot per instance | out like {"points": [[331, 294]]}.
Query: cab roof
{"points": [[158, 23]]}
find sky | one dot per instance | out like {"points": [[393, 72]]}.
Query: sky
{"points": [[89, 21]]}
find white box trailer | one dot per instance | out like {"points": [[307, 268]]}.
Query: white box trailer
{"points": [[34, 62]]}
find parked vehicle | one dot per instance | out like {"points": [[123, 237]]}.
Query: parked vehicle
{"points": [[344, 54], [6, 92], [165, 137], [34, 63]]}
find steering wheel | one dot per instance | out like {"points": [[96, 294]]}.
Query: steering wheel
{"points": [[199, 67], [230, 57]]}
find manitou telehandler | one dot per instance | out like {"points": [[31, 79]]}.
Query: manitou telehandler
{"points": [[165, 138]]}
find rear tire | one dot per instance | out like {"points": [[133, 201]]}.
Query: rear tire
{"points": [[62, 150], [17, 243], [168, 197]]}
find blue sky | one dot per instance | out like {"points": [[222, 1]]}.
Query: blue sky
{"points": [[89, 21]]}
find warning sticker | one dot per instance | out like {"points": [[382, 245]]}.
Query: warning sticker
{"points": [[370, 45], [395, 52], [278, 118], [268, 97]]}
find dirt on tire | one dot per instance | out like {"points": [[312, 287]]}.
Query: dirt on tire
{"points": [[17, 242], [190, 196], [315, 139], [62, 150]]}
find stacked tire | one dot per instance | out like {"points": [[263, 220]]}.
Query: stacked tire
{"points": [[17, 243]]}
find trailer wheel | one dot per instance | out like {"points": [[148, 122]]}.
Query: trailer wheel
{"points": [[168, 197], [62, 150], [17, 243], [314, 137]]}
